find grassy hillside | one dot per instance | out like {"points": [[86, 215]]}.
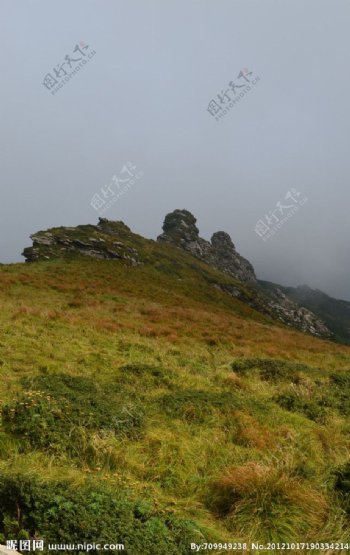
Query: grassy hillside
{"points": [[142, 405]]}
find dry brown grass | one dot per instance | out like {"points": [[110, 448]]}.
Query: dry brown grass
{"points": [[252, 434], [266, 500]]}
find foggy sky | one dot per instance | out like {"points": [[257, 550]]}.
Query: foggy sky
{"points": [[143, 97]]}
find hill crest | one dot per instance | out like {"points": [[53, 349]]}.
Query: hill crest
{"points": [[113, 240]]}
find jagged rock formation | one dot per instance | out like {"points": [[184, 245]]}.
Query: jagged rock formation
{"points": [[94, 241], [180, 229], [227, 259]]}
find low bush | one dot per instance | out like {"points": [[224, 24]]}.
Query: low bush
{"points": [[60, 512], [314, 409]]}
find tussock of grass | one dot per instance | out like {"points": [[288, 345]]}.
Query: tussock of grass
{"points": [[265, 502]]}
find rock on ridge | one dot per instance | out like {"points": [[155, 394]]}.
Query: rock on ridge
{"points": [[180, 229], [106, 240]]}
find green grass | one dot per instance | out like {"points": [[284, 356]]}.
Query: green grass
{"points": [[144, 403]]}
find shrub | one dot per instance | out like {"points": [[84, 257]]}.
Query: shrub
{"points": [[60, 512], [314, 409], [265, 502]]}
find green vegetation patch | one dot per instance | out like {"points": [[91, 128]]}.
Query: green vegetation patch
{"points": [[271, 369], [197, 405], [56, 412], [304, 389], [339, 392], [150, 374], [318, 398], [315, 409], [61, 512]]}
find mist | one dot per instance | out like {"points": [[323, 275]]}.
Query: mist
{"points": [[143, 97]]}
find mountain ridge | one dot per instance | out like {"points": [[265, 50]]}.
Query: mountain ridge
{"points": [[114, 240]]}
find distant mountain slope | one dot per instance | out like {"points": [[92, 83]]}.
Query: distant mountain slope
{"points": [[334, 312]]}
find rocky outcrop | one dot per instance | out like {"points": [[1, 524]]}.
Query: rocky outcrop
{"points": [[227, 259], [180, 229], [279, 307], [334, 312], [98, 241], [291, 313]]}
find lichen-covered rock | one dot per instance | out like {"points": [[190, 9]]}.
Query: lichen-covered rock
{"points": [[106, 240], [180, 229]]}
